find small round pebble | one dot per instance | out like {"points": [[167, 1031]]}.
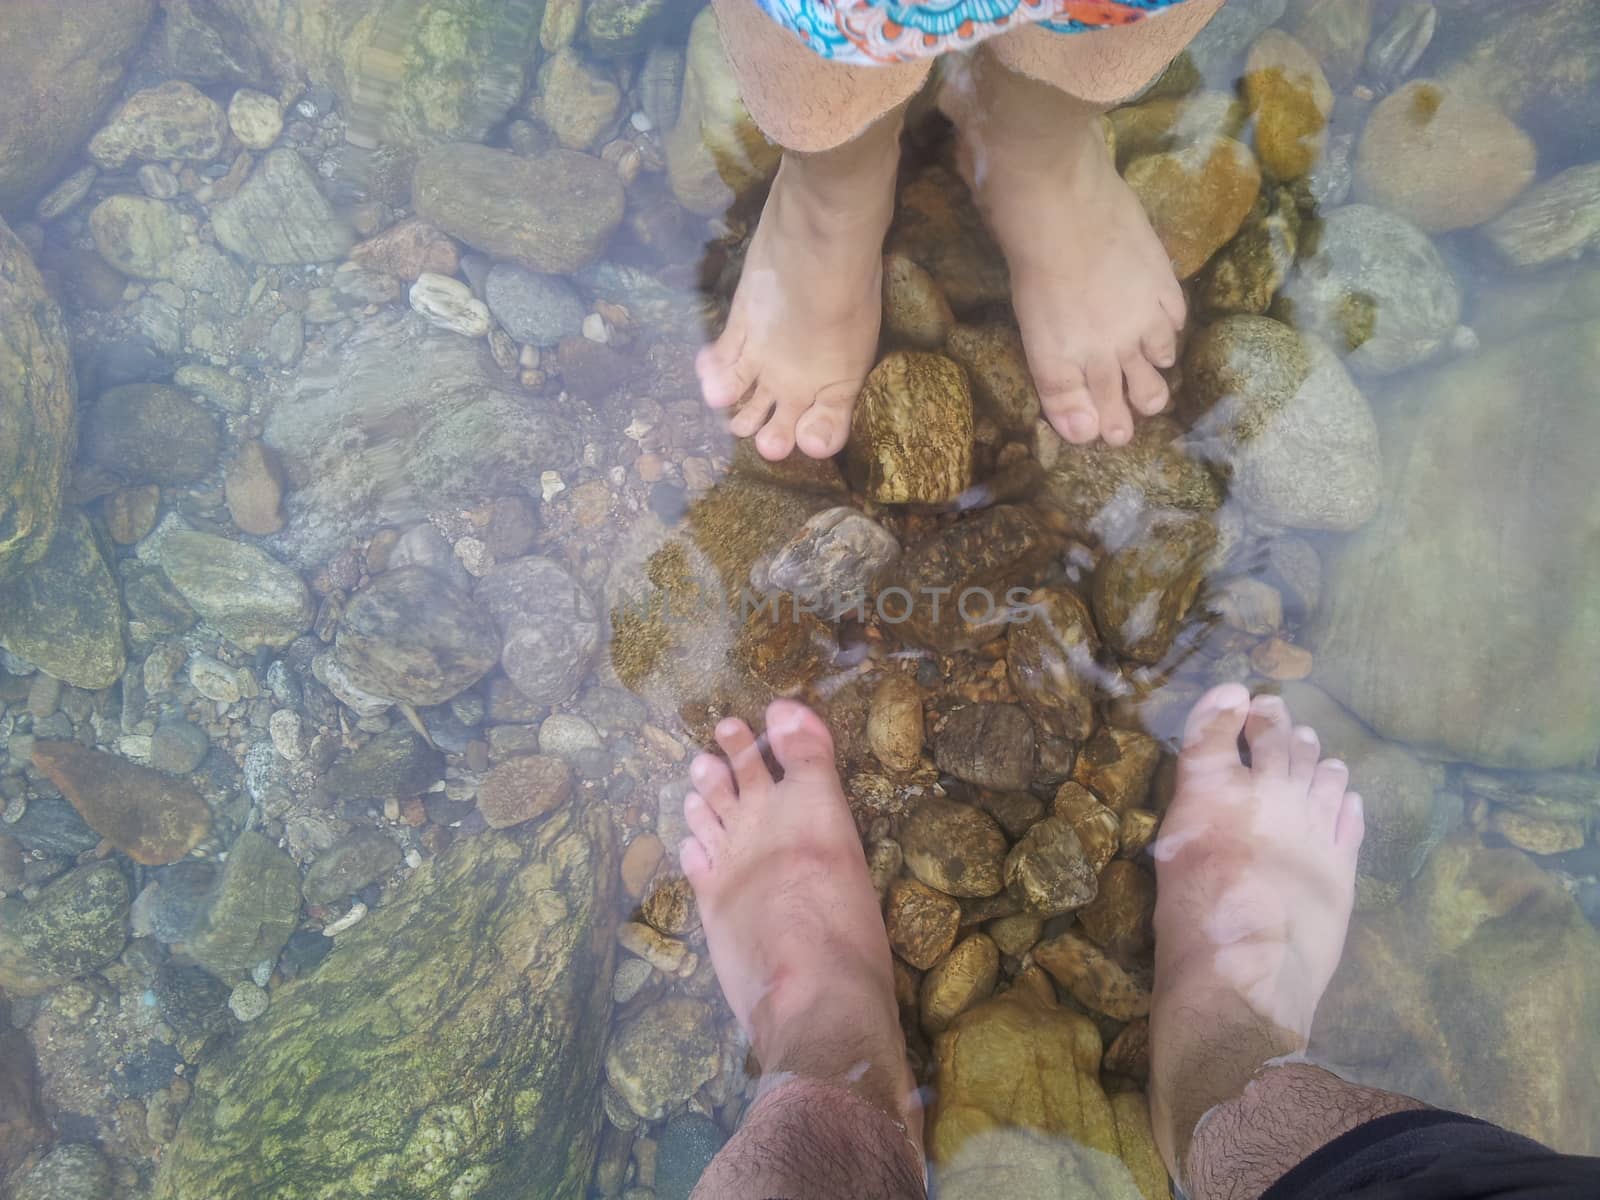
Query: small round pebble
{"points": [[248, 1001], [177, 747]]}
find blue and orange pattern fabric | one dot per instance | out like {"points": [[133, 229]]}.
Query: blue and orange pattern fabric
{"points": [[874, 32]]}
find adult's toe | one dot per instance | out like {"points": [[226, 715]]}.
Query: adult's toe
{"points": [[744, 756], [695, 861], [1267, 731], [714, 781], [776, 438], [753, 413], [1329, 779], [725, 373], [1211, 735], [1068, 405], [823, 428], [1304, 750], [800, 741], [703, 823]]}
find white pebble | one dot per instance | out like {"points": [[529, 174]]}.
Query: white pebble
{"points": [[135, 746], [551, 485], [357, 911], [449, 304], [214, 680], [594, 328], [642, 122], [255, 118], [288, 737]]}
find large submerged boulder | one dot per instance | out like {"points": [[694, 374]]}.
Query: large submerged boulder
{"points": [[37, 404], [1465, 618], [62, 64], [400, 418], [450, 1046], [407, 72], [1435, 998]]}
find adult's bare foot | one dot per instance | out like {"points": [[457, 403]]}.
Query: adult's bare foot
{"points": [[1255, 869], [1094, 291], [790, 915], [803, 328]]}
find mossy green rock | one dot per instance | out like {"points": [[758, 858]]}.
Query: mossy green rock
{"points": [[450, 1046], [407, 72], [38, 400], [75, 925], [64, 613], [253, 911], [1466, 617], [62, 64]]}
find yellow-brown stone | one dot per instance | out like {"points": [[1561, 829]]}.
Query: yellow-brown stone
{"points": [[911, 433], [961, 979], [1196, 197], [1290, 100]]}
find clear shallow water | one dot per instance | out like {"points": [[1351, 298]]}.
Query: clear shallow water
{"points": [[1372, 493]]}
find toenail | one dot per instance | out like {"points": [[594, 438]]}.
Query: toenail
{"points": [[728, 727], [1081, 425]]}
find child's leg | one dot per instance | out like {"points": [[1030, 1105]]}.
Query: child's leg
{"points": [[1094, 291], [803, 327]]}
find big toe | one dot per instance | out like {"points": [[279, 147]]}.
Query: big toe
{"points": [[823, 428], [725, 374], [800, 741]]}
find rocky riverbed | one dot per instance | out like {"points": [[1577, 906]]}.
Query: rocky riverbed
{"points": [[369, 570]]}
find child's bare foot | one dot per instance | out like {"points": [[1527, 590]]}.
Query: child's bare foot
{"points": [[1094, 292], [790, 915], [804, 324], [1255, 869]]}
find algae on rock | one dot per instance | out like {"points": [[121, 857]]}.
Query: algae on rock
{"points": [[450, 1046]]}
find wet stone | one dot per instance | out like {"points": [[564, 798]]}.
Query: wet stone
{"points": [[953, 847], [1422, 145], [1047, 870], [149, 817], [37, 404], [411, 636], [136, 235], [1143, 590], [990, 745], [549, 627], [914, 309], [958, 582], [150, 433], [173, 120], [175, 901], [131, 513], [253, 910], [911, 431], [361, 857], [247, 1001], [662, 1056], [1286, 417], [1375, 288], [178, 747], [1196, 197], [1096, 485], [922, 923], [1094, 980], [255, 118], [449, 304], [407, 249], [1554, 220], [835, 558], [1118, 919], [71, 1171], [1117, 765], [537, 310], [895, 724], [395, 764], [75, 925], [1050, 660], [62, 613], [1290, 101], [52, 826], [997, 368], [250, 598], [279, 216], [685, 1149], [253, 488], [964, 977], [190, 1000], [563, 205], [523, 789]]}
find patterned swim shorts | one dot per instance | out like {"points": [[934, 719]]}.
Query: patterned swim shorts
{"points": [[874, 32]]}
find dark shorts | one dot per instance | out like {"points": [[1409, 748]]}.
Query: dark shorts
{"points": [[1432, 1155]]}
